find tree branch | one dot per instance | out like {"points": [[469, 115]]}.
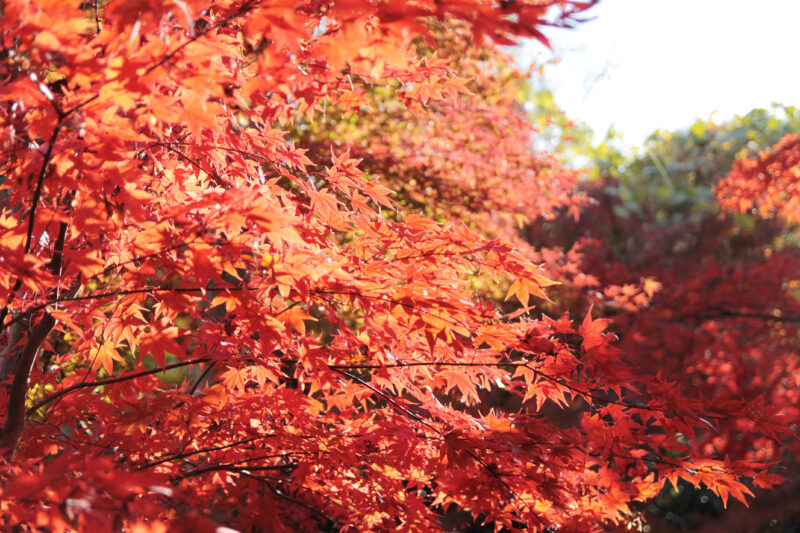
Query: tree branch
{"points": [[19, 387], [389, 399], [195, 452], [290, 499], [236, 469], [126, 292], [728, 313], [244, 8], [88, 384], [27, 358], [37, 193]]}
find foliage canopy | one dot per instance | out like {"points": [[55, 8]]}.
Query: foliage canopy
{"points": [[261, 268]]}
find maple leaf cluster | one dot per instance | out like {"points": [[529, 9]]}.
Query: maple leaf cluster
{"points": [[244, 256], [768, 184]]}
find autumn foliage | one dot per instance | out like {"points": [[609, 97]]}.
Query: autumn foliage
{"points": [[261, 268], [768, 184], [705, 297]]}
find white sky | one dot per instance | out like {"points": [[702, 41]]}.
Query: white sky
{"points": [[643, 65]]}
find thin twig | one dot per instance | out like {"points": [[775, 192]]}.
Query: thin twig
{"points": [[244, 8], [37, 194], [389, 399], [195, 452], [727, 313], [126, 377]]}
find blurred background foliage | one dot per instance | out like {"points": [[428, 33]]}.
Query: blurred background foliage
{"points": [[667, 183], [654, 211], [672, 174]]}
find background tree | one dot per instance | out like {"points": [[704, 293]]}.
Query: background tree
{"points": [[723, 320]]}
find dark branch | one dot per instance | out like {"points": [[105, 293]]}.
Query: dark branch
{"points": [[244, 8], [237, 469], [389, 399], [289, 498], [19, 387], [729, 313], [37, 193], [195, 452], [127, 377]]}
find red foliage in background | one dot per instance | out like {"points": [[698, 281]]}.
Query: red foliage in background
{"points": [[768, 184]]}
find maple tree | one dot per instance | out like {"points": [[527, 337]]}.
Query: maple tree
{"points": [[260, 268], [723, 314]]}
